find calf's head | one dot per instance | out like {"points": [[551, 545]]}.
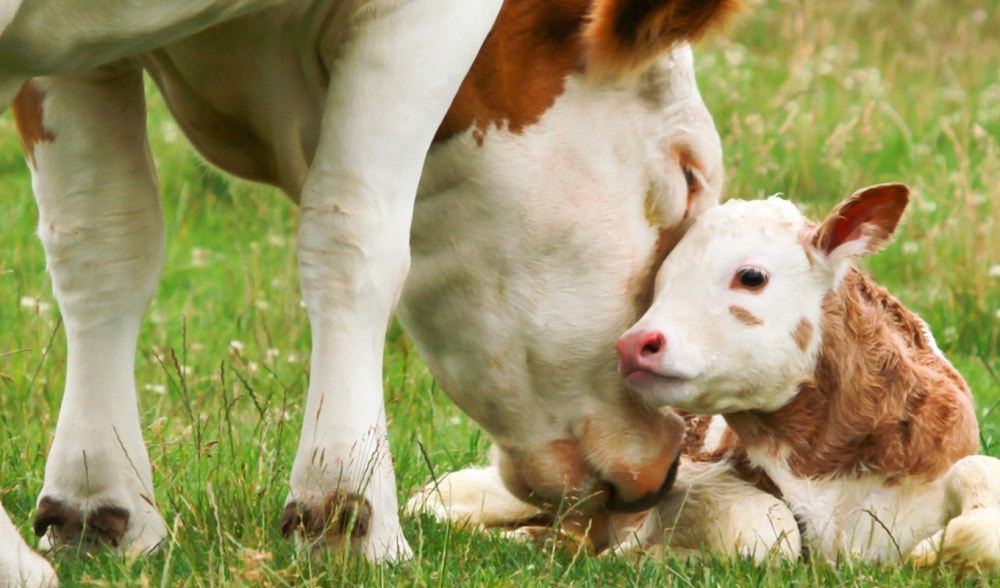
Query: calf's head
{"points": [[734, 324]]}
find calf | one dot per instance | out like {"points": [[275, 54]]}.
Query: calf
{"points": [[834, 396], [531, 198]]}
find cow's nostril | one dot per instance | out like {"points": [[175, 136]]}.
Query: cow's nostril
{"points": [[653, 343]]}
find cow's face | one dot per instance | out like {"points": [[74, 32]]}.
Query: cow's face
{"points": [[533, 249]]}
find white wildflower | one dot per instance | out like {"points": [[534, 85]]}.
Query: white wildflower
{"points": [[35, 304], [156, 389], [994, 271], [236, 347], [199, 257]]}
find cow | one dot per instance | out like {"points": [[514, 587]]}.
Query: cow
{"points": [[813, 397], [479, 167]]}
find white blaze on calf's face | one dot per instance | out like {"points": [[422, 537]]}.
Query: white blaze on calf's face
{"points": [[729, 302]]}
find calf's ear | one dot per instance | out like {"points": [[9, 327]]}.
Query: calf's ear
{"points": [[863, 223]]}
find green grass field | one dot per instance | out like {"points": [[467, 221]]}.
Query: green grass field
{"points": [[813, 99]]}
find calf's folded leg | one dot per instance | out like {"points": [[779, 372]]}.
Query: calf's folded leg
{"points": [[711, 511]]}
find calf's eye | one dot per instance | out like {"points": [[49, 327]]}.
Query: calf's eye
{"points": [[750, 278]]}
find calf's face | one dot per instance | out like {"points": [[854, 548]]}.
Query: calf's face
{"points": [[734, 324]]}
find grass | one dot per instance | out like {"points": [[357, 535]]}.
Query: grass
{"points": [[813, 99]]}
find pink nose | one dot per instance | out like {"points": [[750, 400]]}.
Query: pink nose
{"points": [[640, 350]]}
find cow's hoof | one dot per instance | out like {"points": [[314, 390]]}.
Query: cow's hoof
{"points": [[340, 515], [71, 530], [343, 522]]}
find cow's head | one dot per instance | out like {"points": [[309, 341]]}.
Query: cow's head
{"points": [[577, 145]]}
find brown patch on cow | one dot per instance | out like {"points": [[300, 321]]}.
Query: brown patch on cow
{"points": [[745, 316], [624, 35], [521, 68], [646, 447], [28, 116], [803, 333], [536, 44], [880, 401]]}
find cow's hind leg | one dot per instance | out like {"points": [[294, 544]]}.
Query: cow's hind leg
{"points": [[970, 540], [101, 225], [392, 83]]}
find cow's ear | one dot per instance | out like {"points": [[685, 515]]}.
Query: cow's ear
{"points": [[863, 223], [624, 35]]}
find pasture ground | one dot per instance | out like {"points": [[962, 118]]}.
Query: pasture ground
{"points": [[813, 99]]}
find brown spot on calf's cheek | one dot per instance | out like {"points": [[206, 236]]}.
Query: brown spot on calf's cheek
{"points": [[745, 316], [803, 333], [28, 116]]}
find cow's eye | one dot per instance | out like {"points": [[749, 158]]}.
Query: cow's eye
{"points": [[750, 278], [692, 180]]}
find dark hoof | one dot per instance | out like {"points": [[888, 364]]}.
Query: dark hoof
{"points": [[342, 514], [67, 526]]}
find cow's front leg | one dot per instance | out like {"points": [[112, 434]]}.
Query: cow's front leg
{"points": [[391, 86], [101, 225]]}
